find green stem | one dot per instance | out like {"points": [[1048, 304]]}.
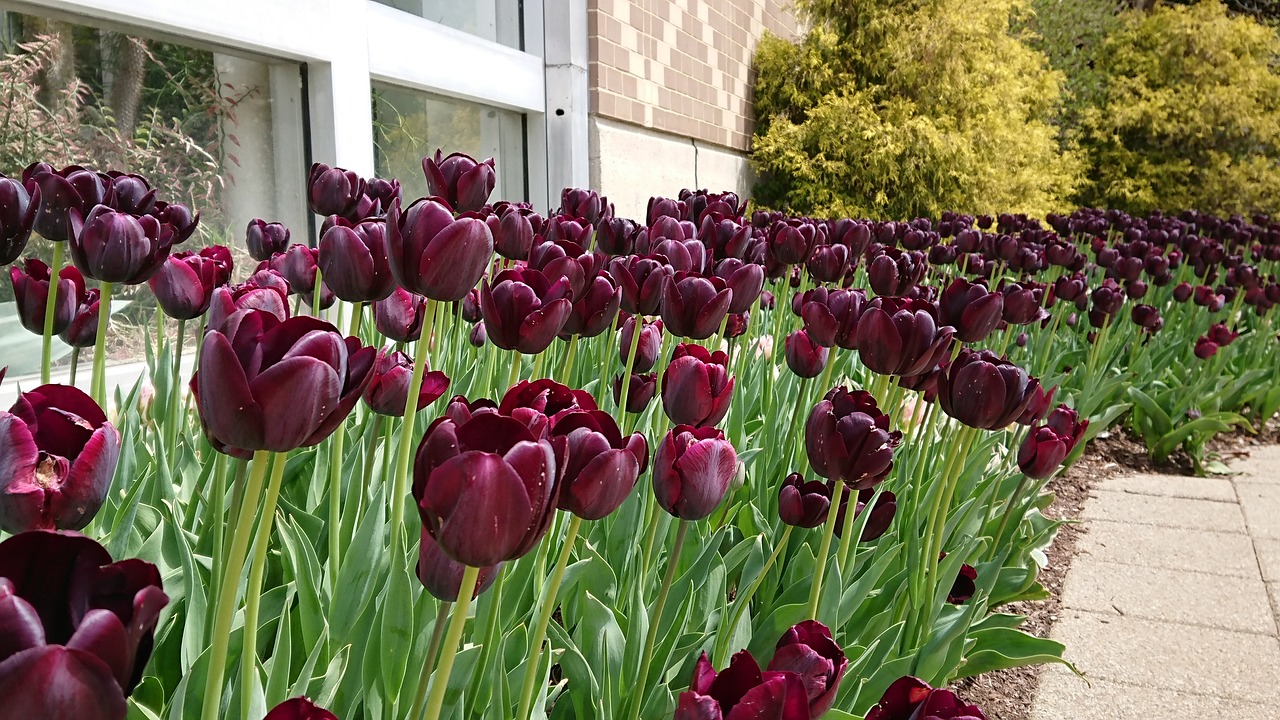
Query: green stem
{"points": [[357, 313], [726, 633], [335, 504], [217, 499], [315, 293], [99, 384], [176, 414], [428, 662], [407, 430], [75, 365], [514, 374], [1008, 513], [846, 532], [531, 673], [828, 532], [630, 368], [655, 620], [229, 584], [449, 651], [50, 309], [253, 591], [794, 436], [570, 355]]}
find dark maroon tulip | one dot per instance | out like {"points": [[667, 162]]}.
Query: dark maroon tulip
{"points": [[1221, 335], [746, 280], [1205, 348], [300, 708], [616, 236], [735, 324], [388, 390], [768, 300], [1039, 406], [333, 190], [400, 315], [513, 230], [1022, 304], [30, 283], [894, 272], [60, 193], [831, 318], [523, 311], [17, 216], [965, 584], [585, 205], [179, 217], [184, 284], [910, 698], [984, 391], [470, 307], [694, 306], [298, 264], [696, 387], [898, 336], [536, 402], [692, 469], [847, 438], [131, 193], [1147, 317], [829, 263], [272, 385], [82, 331], [58, 454], [566, 229], [433, 254], [441, 575], [791, 241], [464, 183], [803, 504], [264, 290], [1048, 445], [882, 513], [742, 692], [1182, 292], [486, 488], [78, 628], [265, 239], [116, 247], [642, 280], [647, 350], [353, 258], [594, 309], [643, 387], [971, 308], [809, 651], [602, 465], [663, 207], [805, 357]]}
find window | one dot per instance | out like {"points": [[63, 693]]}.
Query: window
{"points": [[495, 20]]}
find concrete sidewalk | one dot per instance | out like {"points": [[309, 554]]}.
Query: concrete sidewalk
{"points": [[1172, 606]]}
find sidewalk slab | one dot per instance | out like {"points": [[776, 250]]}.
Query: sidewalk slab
{"points": [[1063, 695], [1214, 553], [1165, 511], [1171, 656], [1194, 488], [1268, 558], [1262, 465], [1168, 596], [1261, 505]]}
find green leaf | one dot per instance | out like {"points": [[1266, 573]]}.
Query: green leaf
{"points": [[1003, 648]]}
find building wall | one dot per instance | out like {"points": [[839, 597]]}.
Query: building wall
{"points": [[670, 93]]}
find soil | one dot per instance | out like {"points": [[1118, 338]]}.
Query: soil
{"points": [[1008, 694]]}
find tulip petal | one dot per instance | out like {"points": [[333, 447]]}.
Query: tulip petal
{"points": [[103, 635], [708, 467], [20, 627], [88, 481], [295, 396], [477, 508], [59, 682], [227, 407]]}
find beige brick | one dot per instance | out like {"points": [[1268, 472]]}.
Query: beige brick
{"points": [[1213, 553], [1172, 486], [1167, 511], [1064, 695], [1261, 505]]}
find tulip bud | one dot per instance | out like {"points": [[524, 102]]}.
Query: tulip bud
{"points": [[433, 254], [265, 290], [1048, 445], [442, 575], [17, 216], [696, 387], [805, 357], [791, 241], [82, 331], [829, 263], [333, 191], [647, 350], [30, 283], [265, 239], [746, 280], [642, 280], [692, 469], [803, 504], [643, 388], [464, 183], [353, 260], [831, 319], [895, 272], [808, 650], [300, 708], [882, 513], [298, 264], [399, 317], [965, 584], [1205, 348], [847, 438], [694, 306], [513, 231], [388, 390], [984, 391], [1022, 305]]}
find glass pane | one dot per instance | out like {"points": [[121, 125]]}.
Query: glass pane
{"points": [[409, 124], [219, 133], [496, 20]]}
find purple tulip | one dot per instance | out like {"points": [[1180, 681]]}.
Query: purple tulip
{"points": [[809, 651], [694, 306], [585, 205], [647, 350], [692, 469], [616, 236], [965, 584], [910, 698], [130, 193], [602, 465], [1182, 292], [643, 388], [971, 308], [1039, 406], [742, 692], [464, 183], [1221, 335], [388, 390], [831, 318], [898, 336], [400, 315], [523, 310], [642, 280], [791, 241], [1147, 317], [594, 308], [270, 385], [746, 280], [58, 454], [17, 216], [333, 190], [1022, 304], [805, 357], [184, 284], [984, 391], [264, 290], [31, 293], [265, 239], [58, 194], [1048, 445], [179, 217], [513, 230], [300, 708], [117, 247], [478, 335], [894, 271], [298, 264], [441, 575], [82, 331], [882, 513], [486, 488], [78, 628], [803, 504], [847, 438], [829, 263], [663, 207], [433, 254], [353, 259], [696, 387]]}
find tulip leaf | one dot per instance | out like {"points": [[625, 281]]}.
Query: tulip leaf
{"points": [[768, 630], [278, 669], [359, 569], [1003, 648], [872, 688], [305, 570], [397, 627]]}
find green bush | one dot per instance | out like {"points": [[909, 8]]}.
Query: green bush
{"points": [[900, 109], [1189, 115]]}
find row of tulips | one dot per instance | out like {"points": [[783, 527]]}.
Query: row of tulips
{"points": [[811, 453]]}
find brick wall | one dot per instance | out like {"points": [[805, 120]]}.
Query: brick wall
{"points": [[681, 66]]}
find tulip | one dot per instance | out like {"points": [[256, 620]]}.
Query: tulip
{"points": [[17, 216], [791, 241], [388, 390], [882, 513], [594, 309], [1039, 406], [31, 294], [964, 586], [616, 236], [894, 272], [1022, 304], [663, 207], [692, 469], [264, 290], [82, 331], [585, 204], [831, 319], [1205, 348], [809, 651], [117, 247], [60, 193], [265, 239], [478, 335], [803, 504], [650, 343], [746, 280], [985, 391], [332, 190], [464, 183], [399, 316], [131, 193], [179, 217], [1048, 445], [298, 264], [742, 692], [910, 698], [1221, 335], [972, 309], [58, 454], [847, 438], [353, 258], [523, 310], [805, 357], [696, 387], [643, 388], [1147, 317], [433, 254], [535, 402], [829, 263], [78, 628], [642, 280], [1182, 292], [602, 465], [442, 575], [300, 708], [486, 487], [513, 230], [271, 385], [694, 306], [901, 337], [184, 284]]}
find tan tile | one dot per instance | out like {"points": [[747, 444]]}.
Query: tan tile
{"points": [[1064, 695], [1213, 553], [1219, 489], [1171, 512]]}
